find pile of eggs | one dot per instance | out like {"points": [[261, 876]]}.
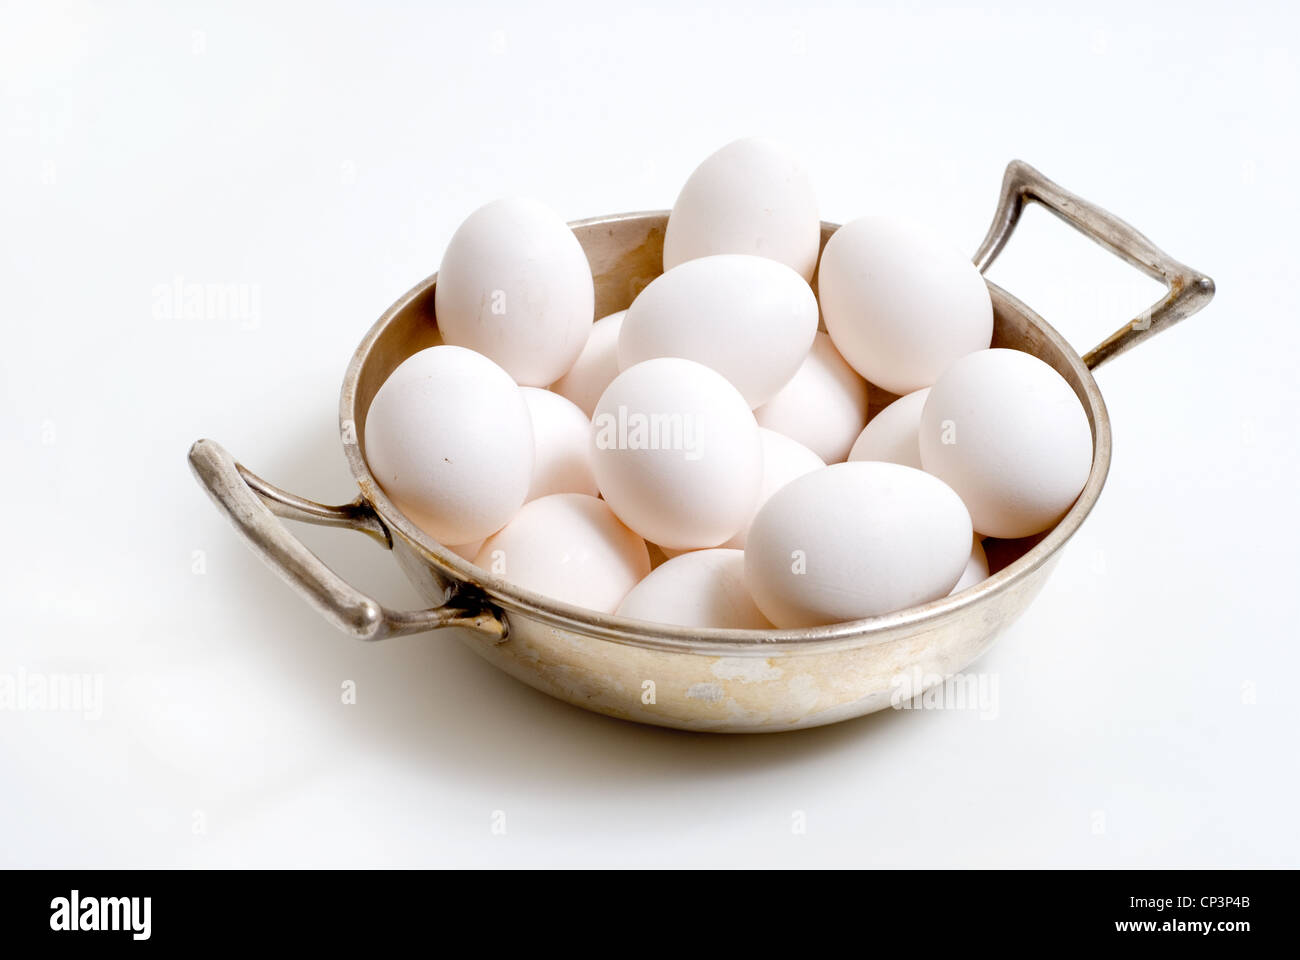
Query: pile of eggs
{"points": [[712, 426]]}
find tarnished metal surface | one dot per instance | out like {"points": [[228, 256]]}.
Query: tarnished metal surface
{"points": [[720, 680], [1186, 290]]}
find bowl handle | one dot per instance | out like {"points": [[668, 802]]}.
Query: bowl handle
{"points": [[1188, 290], [255, 506]]}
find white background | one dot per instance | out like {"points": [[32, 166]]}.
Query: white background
{"points": [[322, 154]]}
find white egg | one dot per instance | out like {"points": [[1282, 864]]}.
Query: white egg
{"points": [[449, 438], [670, 552], [561, 445], [891, 434], [703, 588], [752, 196], [595, 367], [824, 406], [569, 547], [977, 567], [515, 285], [783, 460], [749, 318], [1005, 431], [676, 453], [855, 540], [899, 305], [467, 551]]}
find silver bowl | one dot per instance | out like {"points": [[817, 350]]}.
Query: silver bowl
{"points": [[693, 679]]}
